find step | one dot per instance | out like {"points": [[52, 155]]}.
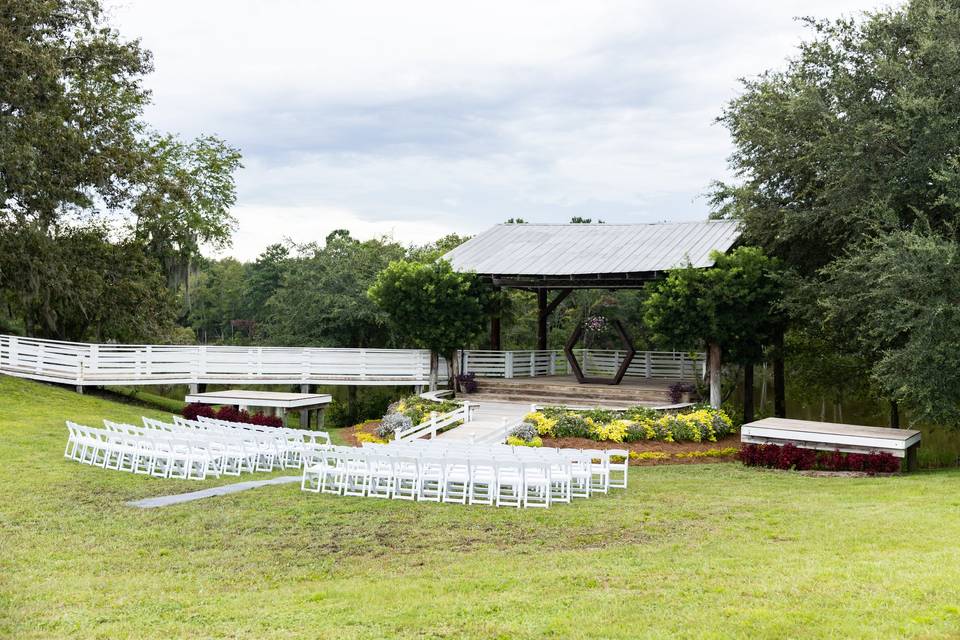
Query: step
{"points": [[590, 393], [480, 398]]}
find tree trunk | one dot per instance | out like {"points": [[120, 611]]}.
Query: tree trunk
{"points": [[894, 415], [454, 372], [748, 393], [779, 386], [352, 403], [434, 366], [715, 399], [763, 387]]}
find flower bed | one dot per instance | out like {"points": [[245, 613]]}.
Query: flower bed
{"points": [[409, 412], [231, 414], [788, 456], [701, 424]]}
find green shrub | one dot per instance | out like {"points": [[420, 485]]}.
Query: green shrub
{"points": [[697, 424], [571, 425], [418, 409]]}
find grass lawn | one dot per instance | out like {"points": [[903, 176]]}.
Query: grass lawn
{"points": [[700, 551]]}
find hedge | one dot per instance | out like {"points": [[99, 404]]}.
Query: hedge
{"points": [[701, 424], [790, 456]]}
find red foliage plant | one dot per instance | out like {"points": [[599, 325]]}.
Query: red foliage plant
{"points": [[231, 414], [789, 456]]}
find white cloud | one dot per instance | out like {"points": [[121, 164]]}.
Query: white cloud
{"points": [[424, 117]]}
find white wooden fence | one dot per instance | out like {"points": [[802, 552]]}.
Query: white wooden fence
{"points": [[669, 365], [104, 364], [436, 422]]}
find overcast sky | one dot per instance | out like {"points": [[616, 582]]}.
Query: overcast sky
{"points": [[415, 119]]}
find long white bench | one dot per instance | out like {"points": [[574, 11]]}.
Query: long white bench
{"points": [[827, 436]]}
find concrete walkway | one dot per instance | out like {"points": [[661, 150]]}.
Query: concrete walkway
{"points": [[165, 501], [487, 420]]}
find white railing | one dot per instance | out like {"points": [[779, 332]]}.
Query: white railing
{"points": [[436, 422], [500, 435], [103, 364], [669, 365]]}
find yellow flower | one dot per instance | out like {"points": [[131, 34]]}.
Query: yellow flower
{"points": [[543, 424]]}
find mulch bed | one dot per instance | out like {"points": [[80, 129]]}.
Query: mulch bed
{"points": [[732, 440], [364, 427]]}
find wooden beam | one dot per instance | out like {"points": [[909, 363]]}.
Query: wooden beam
{"points": [[561, 296]]}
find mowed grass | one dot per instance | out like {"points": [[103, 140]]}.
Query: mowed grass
{"points": [[698, 551]]}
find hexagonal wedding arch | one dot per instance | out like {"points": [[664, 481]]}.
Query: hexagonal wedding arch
{"points": [[575, 364]]}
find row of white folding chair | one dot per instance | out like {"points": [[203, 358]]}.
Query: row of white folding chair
{"points": [[261, 452], [314, 437], [225, 456], [235, 455], [291, 443], [501, 481], [124, 450], [611, 466]]}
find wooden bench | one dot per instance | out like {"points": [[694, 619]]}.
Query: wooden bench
{"points": [[827, 436]]}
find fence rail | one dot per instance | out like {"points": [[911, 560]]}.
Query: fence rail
{"points": [[101, 364], [436, 422], [669, 365]]}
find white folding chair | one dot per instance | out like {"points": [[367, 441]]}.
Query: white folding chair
{"points": [[456, 480], [536, 484], [483, 480], [599, 471], [356, 475], [406, 477], [431, 478], [617, 471], [381, 476], [581, 473], [561, 478], [509, 485]]}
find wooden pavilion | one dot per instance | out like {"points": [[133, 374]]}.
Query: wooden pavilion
{"points": [[552, 260]]}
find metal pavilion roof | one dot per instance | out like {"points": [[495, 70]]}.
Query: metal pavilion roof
{"points": [[590, 254]]}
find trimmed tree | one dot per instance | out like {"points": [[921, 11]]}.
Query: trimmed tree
{"points": [[730, 308], [432, 306]]}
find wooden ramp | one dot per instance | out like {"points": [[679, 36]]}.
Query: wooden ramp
{"points": [[487, 422]]}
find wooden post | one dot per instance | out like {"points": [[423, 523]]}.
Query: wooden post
{"points": [[748, 393], [715, 397], [894, 415], [542, 319], [910, 459]]}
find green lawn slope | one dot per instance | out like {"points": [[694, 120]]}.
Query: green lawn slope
{"points": [[698, 551]]}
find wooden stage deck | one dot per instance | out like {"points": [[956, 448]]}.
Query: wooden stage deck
{"points": [[566, 390]]}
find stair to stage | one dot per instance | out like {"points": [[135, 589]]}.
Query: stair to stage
{"points": [[565, 390]]}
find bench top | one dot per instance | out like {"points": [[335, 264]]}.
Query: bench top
{"points": [[261, 398], [833, 429]]}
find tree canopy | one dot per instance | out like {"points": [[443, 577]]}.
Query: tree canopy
{"points": [[856, 137], [846, 161], [430, 305], [76, 160]]}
